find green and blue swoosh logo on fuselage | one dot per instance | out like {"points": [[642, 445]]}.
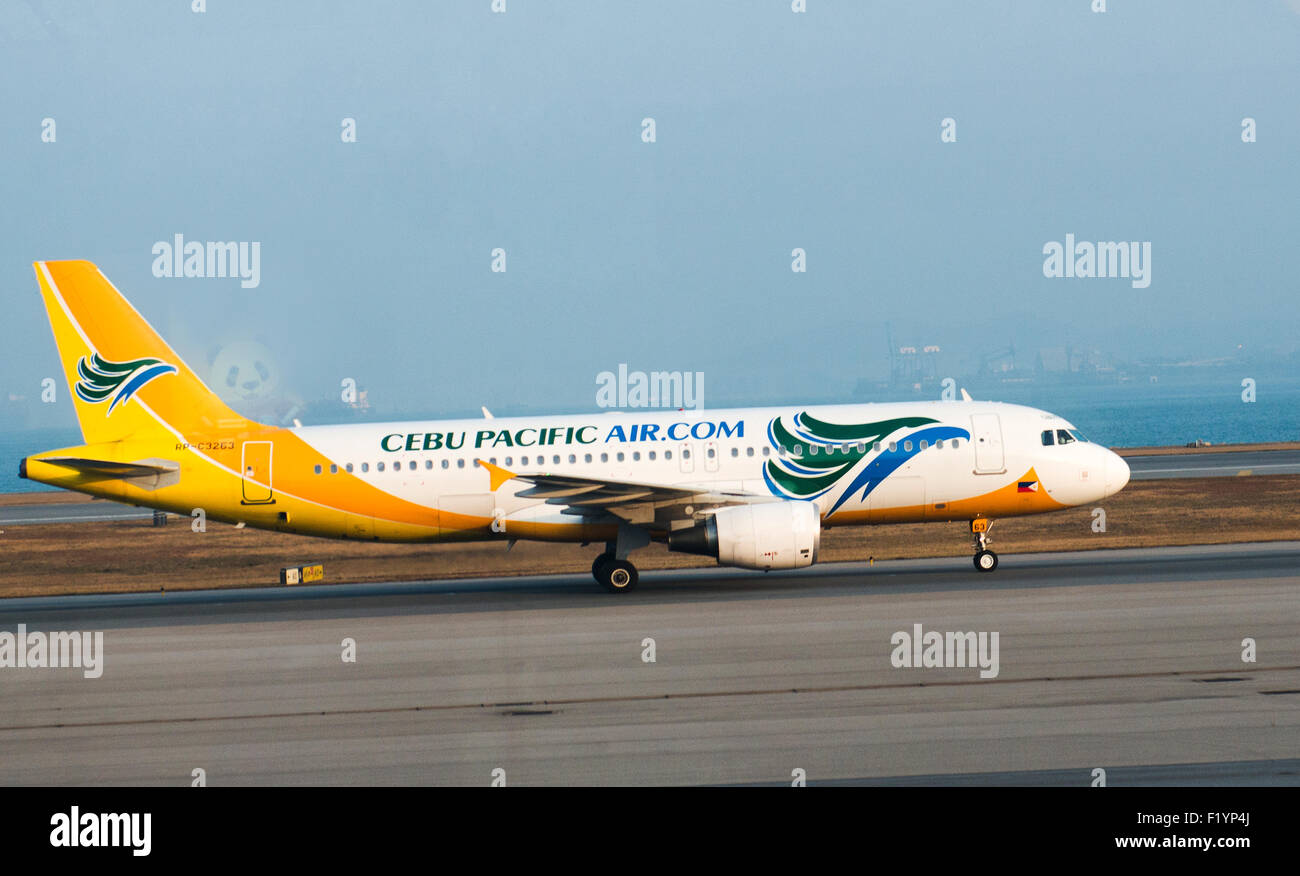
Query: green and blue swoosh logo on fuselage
{"points": [[812, 475]]}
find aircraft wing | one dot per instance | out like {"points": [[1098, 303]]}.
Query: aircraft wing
{"points": [[633, 502]]}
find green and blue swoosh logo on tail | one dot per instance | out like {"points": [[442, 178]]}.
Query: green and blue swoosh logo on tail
{"points": [[102, 379], [840, 450]]}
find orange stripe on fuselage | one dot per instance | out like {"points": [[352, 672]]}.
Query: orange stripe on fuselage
{"points": [[1005, 501]]}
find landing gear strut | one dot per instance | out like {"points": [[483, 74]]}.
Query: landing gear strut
{"points": [[985, 559]]}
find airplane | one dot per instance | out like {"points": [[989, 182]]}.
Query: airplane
{"points": [[751, 487]]}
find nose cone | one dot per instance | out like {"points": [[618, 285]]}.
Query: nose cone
{"points": [[1117, 473]]}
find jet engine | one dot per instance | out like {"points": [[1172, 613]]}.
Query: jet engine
{"points": [[770, 535]]}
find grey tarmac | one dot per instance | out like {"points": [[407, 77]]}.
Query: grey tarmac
{"points": [[1128, 659]]}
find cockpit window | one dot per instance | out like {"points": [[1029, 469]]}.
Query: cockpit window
{"points": [[1063, 436], [1078, 435], [1047, 438]]}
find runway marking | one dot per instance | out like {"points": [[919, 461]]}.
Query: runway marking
{"points": [[78, 519], [580, 701], [1140, 470]]}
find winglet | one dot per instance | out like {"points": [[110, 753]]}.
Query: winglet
{"points": [[496, 473]]}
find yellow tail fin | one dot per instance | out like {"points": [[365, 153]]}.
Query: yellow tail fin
{"points": [[124, 380]]}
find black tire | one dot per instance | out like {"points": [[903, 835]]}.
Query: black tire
{"points": [[619, 576], [986, 561], [597, 566]]}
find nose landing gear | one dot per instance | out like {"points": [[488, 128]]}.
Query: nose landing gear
{"points": [[985, 560]]}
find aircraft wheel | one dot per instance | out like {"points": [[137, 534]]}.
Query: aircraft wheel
{"points": [[986, 561], [598, 564], [618, 576]]}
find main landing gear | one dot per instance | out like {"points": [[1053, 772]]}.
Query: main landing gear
{"points": [[612, 569], [985, 559], [615, 575]]}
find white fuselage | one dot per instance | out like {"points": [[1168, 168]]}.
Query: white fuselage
{"points": [[973, 449]]}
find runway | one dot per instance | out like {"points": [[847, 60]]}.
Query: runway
{"points": [[1210, 465], [1129, 661], [72, 512]]}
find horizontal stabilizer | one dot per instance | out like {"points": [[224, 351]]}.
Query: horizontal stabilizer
{"points": [[106, 468]]}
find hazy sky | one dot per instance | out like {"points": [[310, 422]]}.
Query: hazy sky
{"points": [[774, 130]]}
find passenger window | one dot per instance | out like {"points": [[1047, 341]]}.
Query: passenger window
{"points": [[651, 454], [875, 447], [604, 457], [924, 444], [573, 457], [428, 464], [446, 464], [893, 445], [460, 463], [668, 454], [907, 445], [379, 467], [586, 458], [797, 450], [938, 445], [767, 451], [749, 451], [686, 454], [712, 454], [412, 465], [620, 456], [510, 460], [1047, 438], [365, 466], [1064, 437], [318, 469], [735, 451], [555, 459], [348, 468], [956, 442], [636, 455], [812, 450]]}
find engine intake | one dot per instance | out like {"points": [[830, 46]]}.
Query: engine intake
{"points": [[771, 535]]}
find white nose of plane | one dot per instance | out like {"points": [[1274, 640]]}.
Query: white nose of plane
{"points": [[1117, 473]]}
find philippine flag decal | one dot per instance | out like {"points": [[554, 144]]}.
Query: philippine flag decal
{"points": [[1027, 487]]}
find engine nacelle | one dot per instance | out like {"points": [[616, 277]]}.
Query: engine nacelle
{"points": [[771, 535]]}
